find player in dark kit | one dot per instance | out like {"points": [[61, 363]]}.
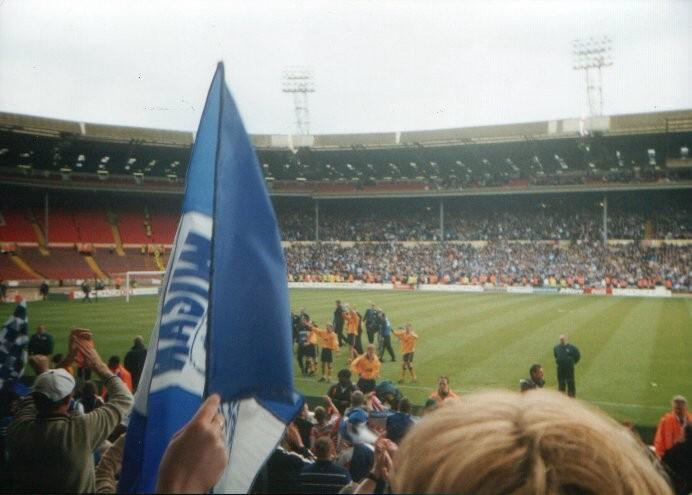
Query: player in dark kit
{"points": [[566, 356], [338, 323], [306, 352]]}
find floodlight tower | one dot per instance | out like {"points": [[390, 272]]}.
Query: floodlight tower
{"points": [[298, 81], [592, 55]]}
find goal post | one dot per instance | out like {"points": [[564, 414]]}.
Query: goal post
{"points": [[142, 282]]}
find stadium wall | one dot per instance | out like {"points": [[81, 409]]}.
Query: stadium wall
{"points": [[656, 292]]}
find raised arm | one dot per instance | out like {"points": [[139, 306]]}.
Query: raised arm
{"points": [[103, 420]]}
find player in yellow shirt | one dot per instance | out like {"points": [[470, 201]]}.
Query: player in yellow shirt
{"points": [[407, 340], [329, 343], [367, 366], [351, 322]]}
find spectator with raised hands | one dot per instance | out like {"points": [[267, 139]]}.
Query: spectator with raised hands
{"points": [[51, 450]]}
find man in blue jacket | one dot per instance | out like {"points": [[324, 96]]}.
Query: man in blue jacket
{"points": [[566, 356], [386, 334]]}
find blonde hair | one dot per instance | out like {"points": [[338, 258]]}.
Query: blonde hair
{"points": [[535, 443]]}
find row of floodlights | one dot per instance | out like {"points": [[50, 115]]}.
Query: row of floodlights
{"points": [[535, 162], [592, 53]]}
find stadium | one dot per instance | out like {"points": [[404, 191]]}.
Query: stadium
{"points": [[490, 241]]}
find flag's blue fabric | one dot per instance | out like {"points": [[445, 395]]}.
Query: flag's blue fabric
{"points": [[223, 322], [249, 333], [14, 337]]}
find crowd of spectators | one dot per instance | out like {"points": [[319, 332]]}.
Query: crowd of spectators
{"points": [[60, 436], [485, 442], [582, 264], [543, 223]]}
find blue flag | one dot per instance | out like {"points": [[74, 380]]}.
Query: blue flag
{"points": [[224, 320]]}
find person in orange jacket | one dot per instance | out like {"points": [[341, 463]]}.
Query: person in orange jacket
{"points": [[351, 322], [367, 367], [330, 345], [120, 371], [670, 427], [407, 339]]}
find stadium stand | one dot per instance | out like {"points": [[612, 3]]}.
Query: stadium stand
{"points": [[15, 226], [131, 223], [622, 149], [163, 224], [498, 264], [62, 225], [93, 226], [10, 271], [134, 260], [63, 263], [489, 193]]}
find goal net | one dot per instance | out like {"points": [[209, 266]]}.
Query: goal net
{"points": [[142, 283]]}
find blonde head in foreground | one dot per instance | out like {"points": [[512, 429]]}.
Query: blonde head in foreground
{"points": [[540, 442]]}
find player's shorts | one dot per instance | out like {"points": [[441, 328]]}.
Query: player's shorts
{"points": [[326, 356], [309, 351], [351, 339], [408, 357]]}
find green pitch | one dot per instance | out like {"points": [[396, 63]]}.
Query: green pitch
{"points": [[635, 351]]}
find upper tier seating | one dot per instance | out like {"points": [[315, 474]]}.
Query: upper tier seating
{"points": [[78, 224]]}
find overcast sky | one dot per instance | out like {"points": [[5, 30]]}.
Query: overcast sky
{"points": [[378, 66]]}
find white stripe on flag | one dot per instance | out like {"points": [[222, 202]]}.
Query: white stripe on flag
{"points": [[257, 432]]}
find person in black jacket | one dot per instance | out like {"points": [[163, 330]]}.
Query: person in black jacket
{"points": [[678, 462], [323, 476], [134, 360], [86, 289], [535, 379], [41, 342], [43, 290], [566, 356], [339, 323], [340, 393]]}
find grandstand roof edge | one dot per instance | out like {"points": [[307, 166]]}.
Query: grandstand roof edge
{"points": [[576, 189], [627, 123], [495, 191]]}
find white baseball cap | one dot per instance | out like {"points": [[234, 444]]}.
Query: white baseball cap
{"points": [[54, 384]]}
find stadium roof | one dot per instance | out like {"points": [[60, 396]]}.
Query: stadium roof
{"points": [[619, 148], [643, 123]]}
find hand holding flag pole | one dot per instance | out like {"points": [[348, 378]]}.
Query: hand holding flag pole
{"points": [[224, 321], [196, 456]]}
